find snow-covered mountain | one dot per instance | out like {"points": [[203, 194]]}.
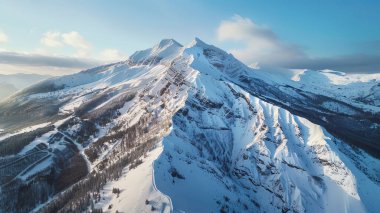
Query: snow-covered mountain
{"points": [[191, 129]]}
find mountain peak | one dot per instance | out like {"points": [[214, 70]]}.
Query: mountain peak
{"points": [[197, 42], [168, 42], [175, 121], [166, 48]]}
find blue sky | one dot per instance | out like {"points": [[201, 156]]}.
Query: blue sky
{"points": [[332, 34]]}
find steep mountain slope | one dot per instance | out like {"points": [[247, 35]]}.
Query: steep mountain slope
{"points": [[351, 117], [234, 139], [231, 151], [98, 121]]}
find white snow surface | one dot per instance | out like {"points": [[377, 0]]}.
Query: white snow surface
{"points": [[266, 158], [349, 88], [226, 150], [136, 186]]}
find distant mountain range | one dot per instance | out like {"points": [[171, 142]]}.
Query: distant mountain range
{"points": [[9, 84], [192, 129]]}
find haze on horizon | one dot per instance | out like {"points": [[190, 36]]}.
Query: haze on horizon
{"points": [[55, 38]]}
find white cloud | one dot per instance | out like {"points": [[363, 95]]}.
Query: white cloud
{"points": [[3, 38], [261, 46], [260, 43], [112, 55], [44, 60], [75, 40], [72, 39], [52, 39]]}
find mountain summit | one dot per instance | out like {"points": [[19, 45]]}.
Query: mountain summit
{"points": [[192, 129]]}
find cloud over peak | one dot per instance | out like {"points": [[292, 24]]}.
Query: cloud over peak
{"points": [[261, 45]]}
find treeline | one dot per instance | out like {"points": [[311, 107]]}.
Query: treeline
{"points": [[16, 143], [94, 102], [77, 198], [24, 196], [127, 137], [76, 170], [136, 140], [89, 120], [84, 131], [107, 113], [31, 111]]}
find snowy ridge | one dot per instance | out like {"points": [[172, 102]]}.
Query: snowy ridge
{"points": [[233, 138], [316, 98], [166, 49], [261, 158]]}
